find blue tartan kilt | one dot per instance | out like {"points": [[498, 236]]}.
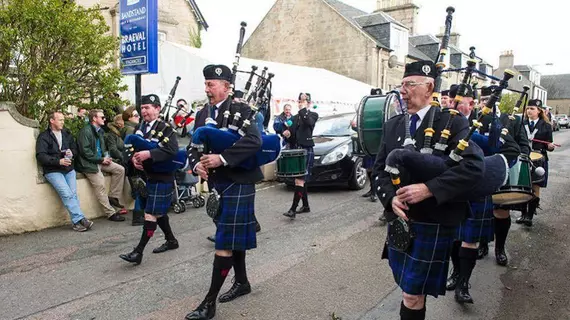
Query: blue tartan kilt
{"points": [[368, 162], [235, 226], [544, 182], [423, 269], [479, 226], [159, 198], [309, 161]]}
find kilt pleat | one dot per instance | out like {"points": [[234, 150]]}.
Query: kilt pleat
{"points": [[159, 198], [235, 226], [479, 226], [368, 162], [423, 269], [309, 162]]}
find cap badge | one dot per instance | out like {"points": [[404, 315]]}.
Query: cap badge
{"points": [[426, 69], [218, 71]]}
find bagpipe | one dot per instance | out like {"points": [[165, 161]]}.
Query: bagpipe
{"points": [[213, 139], [429, 163], [136, 142]]}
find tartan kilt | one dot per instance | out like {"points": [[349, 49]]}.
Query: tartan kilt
{"points": [[235, 225], [309, 161], [423, 269], [479, 226], [159, 198], [368, 162]]}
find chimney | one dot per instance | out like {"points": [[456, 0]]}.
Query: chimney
{"points": [[403, 11], [506, 59], [453, 36]]}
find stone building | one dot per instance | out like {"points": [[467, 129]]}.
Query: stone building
{"points": [[524, 75], [176, 18], [369, 47], [558, 88]]}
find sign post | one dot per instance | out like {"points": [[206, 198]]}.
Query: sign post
{"points": [[139, 40]]}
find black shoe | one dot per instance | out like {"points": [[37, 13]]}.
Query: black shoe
{"points": [[462, 294], [212, 238], [168, 245], [501, 257], [290, 214], [138, 218], [116, 217], [526, 220], [237, 290], [367, 194], [303, 210], [133, 257], [205, 311], [452, 281], [482, 251], [373, 197], [115, 203], [257, 226]]}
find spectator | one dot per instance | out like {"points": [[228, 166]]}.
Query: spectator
{"points": [[131, 119], [283, 122], [94, 159], [114, 141], [82, 114], [55, 149]]}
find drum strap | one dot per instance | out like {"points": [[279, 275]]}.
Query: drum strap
{"points": [[528, 133]]}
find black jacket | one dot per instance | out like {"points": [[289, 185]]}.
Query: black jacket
{"points": [[510, 148], [243, 149], [517, 131], [48, 152], [165, 153], [543, 132], [302, 128], [456, 181]]}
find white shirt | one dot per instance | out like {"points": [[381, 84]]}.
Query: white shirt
{"points": [[150, 124], [422, 114], [217, 109]]}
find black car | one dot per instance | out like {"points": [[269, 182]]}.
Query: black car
{"points": [[334, 163]]}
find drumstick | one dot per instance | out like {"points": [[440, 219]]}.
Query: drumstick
{"points": [[546, 142]]}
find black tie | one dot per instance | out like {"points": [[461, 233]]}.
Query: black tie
{"points": [[532, 126], [413, 124]]}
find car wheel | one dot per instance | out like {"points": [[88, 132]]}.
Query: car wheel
{"points": [[359, 176]]}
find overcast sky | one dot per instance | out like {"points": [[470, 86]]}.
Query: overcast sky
{"points": [[533, 30]]}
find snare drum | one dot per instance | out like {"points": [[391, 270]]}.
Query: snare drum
{"points": [[292, 163], [518, 189], [538, 161]]}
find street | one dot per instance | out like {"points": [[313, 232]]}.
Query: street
{"points": [[323, 265]]}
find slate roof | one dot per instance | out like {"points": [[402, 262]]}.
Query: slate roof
{"points": [[198, 14], [345, 10], [557, 86], [376, 18], [417, 53]]}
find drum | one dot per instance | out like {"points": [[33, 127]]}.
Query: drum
{"points": [[292, 163], [518, 189], [538, 161], [372, 112]]}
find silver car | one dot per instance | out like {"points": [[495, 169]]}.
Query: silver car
{"points": [[562, 120]]}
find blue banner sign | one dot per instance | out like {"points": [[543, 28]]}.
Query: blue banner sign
{"points": [[139, 36]]}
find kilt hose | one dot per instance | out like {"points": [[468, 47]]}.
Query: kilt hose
{"points": [[235, 225], [479, 226], [423, 269], [159, 198]]}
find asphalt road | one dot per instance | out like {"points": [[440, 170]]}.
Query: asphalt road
{"points": [[324, 263]]}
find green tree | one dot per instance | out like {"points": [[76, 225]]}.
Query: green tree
{"points": [[195, 37], [55, 54], [508, 102]]}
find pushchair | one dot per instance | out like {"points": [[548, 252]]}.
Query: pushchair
{"points": [[186, 192]]}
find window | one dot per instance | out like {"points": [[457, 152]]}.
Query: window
{"points": [[399, 42]]}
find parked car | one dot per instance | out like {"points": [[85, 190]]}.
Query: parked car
{"points": [[334, 163], [562, 120]]}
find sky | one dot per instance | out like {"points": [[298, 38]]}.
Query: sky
{"points": [[533, 32]]}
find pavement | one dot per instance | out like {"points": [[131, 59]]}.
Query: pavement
{"points": [[323, 265]]}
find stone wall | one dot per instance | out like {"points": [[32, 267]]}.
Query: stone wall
{"points": [[27, 202], [560, 106], [175, 18], [311, 33], [404, 11]]}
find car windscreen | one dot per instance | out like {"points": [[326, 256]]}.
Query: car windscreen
{"points": [[334, 127]]}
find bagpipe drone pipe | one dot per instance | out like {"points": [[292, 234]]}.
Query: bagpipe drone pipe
{"points": [[211, 139]]}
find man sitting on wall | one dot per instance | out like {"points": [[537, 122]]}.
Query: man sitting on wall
{"points": [[94, 159], [55, 149]]}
